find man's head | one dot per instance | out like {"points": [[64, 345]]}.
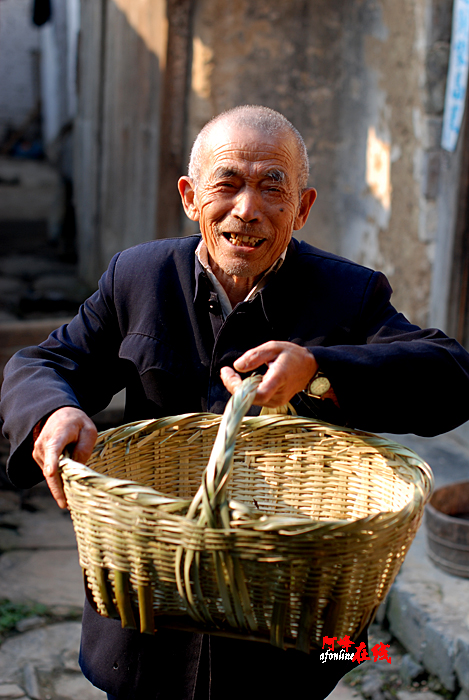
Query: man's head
{"points": [[255, 118], [247, 188]]}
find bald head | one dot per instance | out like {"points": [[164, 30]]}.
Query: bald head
{"points": [[257, 118]]}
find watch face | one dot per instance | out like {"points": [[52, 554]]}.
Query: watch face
{"points": [[319, 386]]}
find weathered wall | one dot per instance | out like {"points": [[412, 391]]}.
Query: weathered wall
{"points": [[286, 55], [363, 80], [117, 127], [351, 77], [399, 228]]}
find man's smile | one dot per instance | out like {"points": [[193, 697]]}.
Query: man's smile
{"points": [[244, 240]]}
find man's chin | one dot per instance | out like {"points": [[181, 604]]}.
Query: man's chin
{"points": [[240, 269], [239, 263]]}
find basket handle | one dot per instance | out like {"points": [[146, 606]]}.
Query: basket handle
{"points": [[212, 492], [214, 513]]}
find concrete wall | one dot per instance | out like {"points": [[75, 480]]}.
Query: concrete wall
{"points": [[351, 77], [19, 63], [117, 127], [363, 80], [449, 186]]}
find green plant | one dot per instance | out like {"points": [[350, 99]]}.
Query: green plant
{"points": [[11, 613]]}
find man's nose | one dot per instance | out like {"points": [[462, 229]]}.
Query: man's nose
{"points": [[247, 205]]}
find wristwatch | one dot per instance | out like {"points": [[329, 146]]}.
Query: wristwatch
{"points": [[318, 386]]}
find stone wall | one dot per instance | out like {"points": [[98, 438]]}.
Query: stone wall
{"points": [[117, 129], [363, 80]]}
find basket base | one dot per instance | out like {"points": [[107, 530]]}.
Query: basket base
{"points": [[185, 623]]}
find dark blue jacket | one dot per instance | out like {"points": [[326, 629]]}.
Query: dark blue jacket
{"points": [[154, 327], [149, 328]]}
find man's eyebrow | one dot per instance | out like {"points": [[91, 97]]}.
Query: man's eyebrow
{"points": [[222, 172], [276, 175]]}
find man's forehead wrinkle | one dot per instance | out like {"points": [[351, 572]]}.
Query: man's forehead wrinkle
{"points": [[250, 153], [253, 155], [252, 145]]}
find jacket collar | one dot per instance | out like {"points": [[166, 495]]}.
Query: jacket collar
{"points": [[203, 283]]}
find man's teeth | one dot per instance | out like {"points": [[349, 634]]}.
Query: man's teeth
{"points": [[238, 239]]}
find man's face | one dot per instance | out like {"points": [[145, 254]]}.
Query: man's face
{"points": [[247, 199]]}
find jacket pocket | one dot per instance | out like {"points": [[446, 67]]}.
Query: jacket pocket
{"points": [[149, 353]]}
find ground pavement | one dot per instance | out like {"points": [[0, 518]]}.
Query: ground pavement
{"points": [[39, 565]]}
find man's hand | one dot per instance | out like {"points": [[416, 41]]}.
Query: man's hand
{"points": [[67, 426], [290, 369]]}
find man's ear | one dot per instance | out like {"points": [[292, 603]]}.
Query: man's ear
{"points": [[308, 198], [187, 192]]}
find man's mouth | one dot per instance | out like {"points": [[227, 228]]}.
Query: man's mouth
{"points": [[240, 239]]}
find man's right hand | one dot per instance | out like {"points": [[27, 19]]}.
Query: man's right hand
{"points": [[66, 426]]}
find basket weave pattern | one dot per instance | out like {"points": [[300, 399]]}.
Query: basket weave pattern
{"points": [[319, 521]]}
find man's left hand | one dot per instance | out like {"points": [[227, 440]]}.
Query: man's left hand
{"points": [[290, 368]]}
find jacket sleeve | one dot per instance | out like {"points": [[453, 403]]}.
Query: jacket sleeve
{"points": [[76, 366], [401, 379]]}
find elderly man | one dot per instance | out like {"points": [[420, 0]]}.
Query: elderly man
{"points": [[176, 322]]}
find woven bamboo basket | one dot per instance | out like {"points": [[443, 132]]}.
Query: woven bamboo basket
{"points": [[295, 535]]}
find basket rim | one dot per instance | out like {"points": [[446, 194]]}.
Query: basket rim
{"points": [[137, 433]]}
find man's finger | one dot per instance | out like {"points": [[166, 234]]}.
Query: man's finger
{"points": [[86, 441], [290, 367], [51, 451], [66, 426], [56, 488], [230, 379], [254, 358], [50, 470], [267, 397]]}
